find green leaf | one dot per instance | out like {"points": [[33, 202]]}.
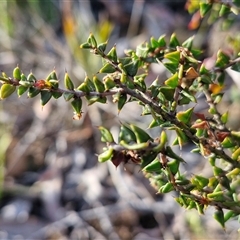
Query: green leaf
{"points": [[204, 8], [33, 92], [86, 45], [134, 146], [172, 81], [126, 134], [77, 105], [142, 51], [170, 153], [172, 67], [108, 83], [224, 10], [236, 67], [131, 68], [67, 96], [56, 95], [121, 101], [17, 73], [68, 82], [45, 97], [106, 155], [102, 46], [21, 90], [154, 166], [224, 118], [200, 181], [52, 75], [98, 84], [174, 57], [187, 94], [173, 166], [106, 135], [112, 54], [141, 135], [185, 116], [92, 41], [236, 2], [156, 122], [107, 68], [162, 41], [227, 143], [6, 90], [168, 92], [147, 158], [154, 42], [188, 43], [168, 187], [219, 216], [173, 43], [222, 59]]}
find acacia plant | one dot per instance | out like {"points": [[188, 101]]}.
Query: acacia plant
{"points": [[123, 81]]}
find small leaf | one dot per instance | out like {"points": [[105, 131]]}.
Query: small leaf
{"points": [[172, 81], [174, 57], [77, 105], [56, 95], [6, 90], [67, 96], [173, 166], [141, 135], [127, 135], [121, 101], [187, 94], [92, 41], [107, 68], [236, 67], [86, 45], [107, 155], [168, 92], [200, 181], [173, 43], [33, 92], [219, 216], [168, 187], [224, 118], [17, 73], [102, 46], [98, 84], [52, 75], [227, 143], [106, 135], [185, 116], [188, 43], [172, 67], [161, 41], [204, 8], [45, 97], [68, 82], [108, 83], [142, 51], [154, 166], [147, 158], [21, 90], [132, 68], [224, 10], [31, 78], [222, 59], [112, 54]]}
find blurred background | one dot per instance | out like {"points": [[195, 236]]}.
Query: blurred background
{"points": [[51, 185]]}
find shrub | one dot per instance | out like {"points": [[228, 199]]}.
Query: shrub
{"points": [[171, 106]]}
